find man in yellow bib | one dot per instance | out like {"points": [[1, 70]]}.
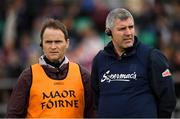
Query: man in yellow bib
{"points": [[55, 87]]}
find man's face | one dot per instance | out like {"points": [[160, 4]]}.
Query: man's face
{"points": [[123, 33], [54, 44]]}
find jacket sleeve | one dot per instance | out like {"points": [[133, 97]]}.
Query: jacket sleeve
{"points": [[88, 112], [95, 82], [18, 102], [162, 84]]}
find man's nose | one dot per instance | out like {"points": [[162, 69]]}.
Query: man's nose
{"points": [[128, 31], [53, 45]]}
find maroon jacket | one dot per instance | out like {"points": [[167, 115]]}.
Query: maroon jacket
{"points": [[18, 102]]}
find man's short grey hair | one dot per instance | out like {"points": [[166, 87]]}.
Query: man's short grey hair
{"points": [[118, 13]]}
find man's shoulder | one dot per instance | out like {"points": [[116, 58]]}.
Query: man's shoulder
{"points": [[26, 76], [27, 71], [100, 54], [158, 57], [145, 47]]}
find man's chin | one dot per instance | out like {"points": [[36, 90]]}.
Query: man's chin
{"points": [[129, 45], [54, 59]]}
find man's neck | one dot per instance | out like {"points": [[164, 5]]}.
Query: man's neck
{"points": [[54, 64], [118, 51]]}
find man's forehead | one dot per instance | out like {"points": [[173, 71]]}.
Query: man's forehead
{"points": [[123, 22]]}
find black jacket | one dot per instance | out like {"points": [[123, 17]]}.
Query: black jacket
{"points": [[161, 83]]}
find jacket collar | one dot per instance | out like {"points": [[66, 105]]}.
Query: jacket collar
{"points": [[43, 62], [109, 49]]}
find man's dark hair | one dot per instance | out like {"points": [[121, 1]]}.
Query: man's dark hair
{"points": [[55, 24]]}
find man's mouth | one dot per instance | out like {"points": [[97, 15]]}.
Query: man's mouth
{"points": [[128, 39], [53, 52]]}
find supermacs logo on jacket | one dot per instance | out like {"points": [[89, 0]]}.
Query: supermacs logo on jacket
{"points": [[109, 77]]}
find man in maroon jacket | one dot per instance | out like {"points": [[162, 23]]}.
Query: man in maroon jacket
{"points": [[55, 65]]}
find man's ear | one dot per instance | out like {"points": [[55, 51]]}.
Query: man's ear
{"points": [[108, 31], [40, 43], [67, 45]]}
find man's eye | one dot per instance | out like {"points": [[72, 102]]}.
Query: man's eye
{"points": [[49, 42], [58, 41], [121, 29], [131, 27]]}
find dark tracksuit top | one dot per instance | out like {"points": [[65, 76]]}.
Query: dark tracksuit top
{"points": [[134, 84]]}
